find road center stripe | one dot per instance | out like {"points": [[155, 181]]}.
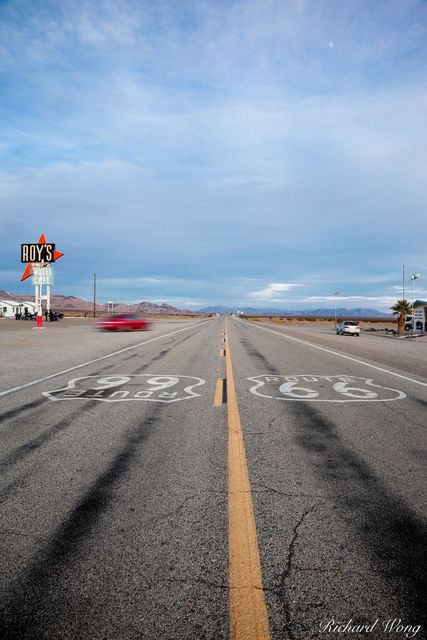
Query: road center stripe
{"points": [[248, 611], [218, 393]]}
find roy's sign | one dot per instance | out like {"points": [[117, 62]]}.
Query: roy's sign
{"points": [[38, 252]]}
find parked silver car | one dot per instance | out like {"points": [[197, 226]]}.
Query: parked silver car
{"points": [[348, 326]]}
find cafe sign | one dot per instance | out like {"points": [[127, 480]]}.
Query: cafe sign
{"points": [[38, 258]]}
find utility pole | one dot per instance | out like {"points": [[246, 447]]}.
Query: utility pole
{"points": [[94, 295]]}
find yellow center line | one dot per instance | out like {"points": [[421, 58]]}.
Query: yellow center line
{"points": [[218, 393], [248, 611]]}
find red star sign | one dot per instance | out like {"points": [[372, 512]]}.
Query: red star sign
{"points": [[29, 267]]}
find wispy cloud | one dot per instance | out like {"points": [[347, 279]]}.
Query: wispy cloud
{"points": [[274, 291], [201, 142], [155, 281]]}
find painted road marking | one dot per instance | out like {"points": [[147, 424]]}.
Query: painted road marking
{"points": [[123, 387], [220, 392], [340, 355], [248, 611], [109, 355], [315, 388]]}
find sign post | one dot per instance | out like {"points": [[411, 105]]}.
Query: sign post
{"points": [[42, 276], [38, 257]]}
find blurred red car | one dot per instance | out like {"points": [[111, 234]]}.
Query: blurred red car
{"points": [[124, 322]]}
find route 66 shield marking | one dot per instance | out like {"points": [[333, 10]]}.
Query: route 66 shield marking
{"points": [[126, 387], [314, 388]]}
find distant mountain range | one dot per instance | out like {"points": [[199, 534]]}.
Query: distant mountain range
{"points": [[73, 303], [327, 313]]}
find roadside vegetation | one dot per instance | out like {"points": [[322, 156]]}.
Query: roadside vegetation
{"points": [[401, 308]]}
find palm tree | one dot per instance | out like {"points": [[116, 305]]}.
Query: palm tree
{"points": [[401, 307]]}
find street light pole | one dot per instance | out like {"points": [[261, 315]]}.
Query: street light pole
{"points": [[414, 277]]}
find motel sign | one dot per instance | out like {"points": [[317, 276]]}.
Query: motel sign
{"points": [[38, 256]]}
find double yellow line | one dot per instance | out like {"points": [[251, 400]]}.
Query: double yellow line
{"points": [[248, 611]]}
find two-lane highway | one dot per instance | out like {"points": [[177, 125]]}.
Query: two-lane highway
{"points": [[336, 455], [211, 479]]}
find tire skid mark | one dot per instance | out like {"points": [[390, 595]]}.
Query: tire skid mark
{"points": [[254, 353], [159, 356], [37, 600], [39, 595], [86, 364], [156, 358], [43, 438], [164, 352], [13, 413], [29, 447], [20, 483], [394, 536]]}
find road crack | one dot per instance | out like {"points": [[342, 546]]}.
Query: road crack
{"points": [[274, 419], [209, 583], [175, 511], [285, 493], [289, 567]]}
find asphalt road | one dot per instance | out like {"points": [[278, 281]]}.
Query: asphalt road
{"points": [[115, 487]]}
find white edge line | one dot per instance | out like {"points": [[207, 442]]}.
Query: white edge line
{"points": [[340, 355], [85, 364]]}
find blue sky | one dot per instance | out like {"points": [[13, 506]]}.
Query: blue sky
{"points": [[253, 152]]}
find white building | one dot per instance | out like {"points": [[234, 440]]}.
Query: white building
{"points": [[8, 308], [420, 315], [27, 307]]}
